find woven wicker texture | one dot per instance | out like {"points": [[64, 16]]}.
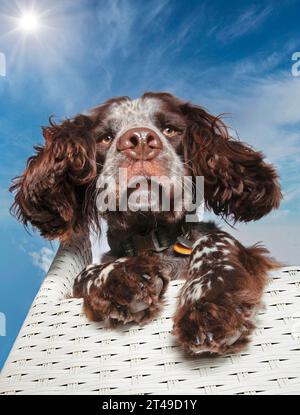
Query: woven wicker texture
{"points": [[59, 352]]}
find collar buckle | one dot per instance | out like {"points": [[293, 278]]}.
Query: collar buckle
{"points": [[160, 240]]}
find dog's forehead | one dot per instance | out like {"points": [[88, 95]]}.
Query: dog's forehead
{"points": [[134, 111]]}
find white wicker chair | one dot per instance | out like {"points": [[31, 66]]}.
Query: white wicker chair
{"points": [[59, 352]]}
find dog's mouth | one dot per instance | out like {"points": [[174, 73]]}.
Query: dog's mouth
{"points": [[143, 185], [144, 189], [153, 168]]}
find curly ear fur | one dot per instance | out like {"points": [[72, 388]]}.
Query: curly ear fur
{"points": [[50, 194], [239, 184]]}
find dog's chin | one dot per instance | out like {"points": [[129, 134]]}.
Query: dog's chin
{"points": [[142, 200], [149, 204], [147, 198]]}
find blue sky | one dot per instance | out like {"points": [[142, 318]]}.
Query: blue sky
{"points": [[232, 57]]}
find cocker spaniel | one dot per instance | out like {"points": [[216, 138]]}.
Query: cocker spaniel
{"points": [[157, 135]]}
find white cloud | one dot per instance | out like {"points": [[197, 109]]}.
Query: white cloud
{"points": [[282, 240], [246, 22], [265, 113], [291, 195], [121, 21], [43, 258]]}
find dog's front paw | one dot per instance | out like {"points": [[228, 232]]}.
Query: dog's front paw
{"points": [[209, 327], [125, 290]]}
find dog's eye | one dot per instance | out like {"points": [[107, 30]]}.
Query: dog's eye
{"points": [[105, 139], [170, 131]]}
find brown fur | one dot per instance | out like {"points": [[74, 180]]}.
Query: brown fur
{"points": [[238, 183], [51, 192], [129, 282], [56, 194]]}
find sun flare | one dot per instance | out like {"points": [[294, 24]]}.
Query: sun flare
{"points": [[29, 22]]}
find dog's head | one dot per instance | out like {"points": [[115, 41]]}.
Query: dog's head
{"points": [[154, 136]]}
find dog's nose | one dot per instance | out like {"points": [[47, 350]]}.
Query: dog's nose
{"points": [[140, 144]]}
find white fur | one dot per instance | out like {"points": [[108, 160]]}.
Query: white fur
{"points": [[200, 240], [106, 271], [206, 251], [195, 288], [88, 286], [229, 240], [228, 267], [194, 294], [196, 265], [132, 113]]}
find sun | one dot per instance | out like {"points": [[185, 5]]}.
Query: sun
{"points": [[29, 22]]}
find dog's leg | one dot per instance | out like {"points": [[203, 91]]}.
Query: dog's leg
{"points": [[223, 290], [127, 289]]}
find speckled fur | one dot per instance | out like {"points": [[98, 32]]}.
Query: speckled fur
{"points": [[124, 116]]}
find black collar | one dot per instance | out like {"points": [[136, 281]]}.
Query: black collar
{"points": [[157, 240]]}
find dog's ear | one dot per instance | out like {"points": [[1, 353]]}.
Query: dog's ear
{"points": [[238, 183], [51, 192]]}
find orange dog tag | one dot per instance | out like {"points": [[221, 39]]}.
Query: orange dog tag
{"points": [[183, 250]]}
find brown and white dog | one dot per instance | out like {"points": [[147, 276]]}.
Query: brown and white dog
{"points": [[156, 135]]}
